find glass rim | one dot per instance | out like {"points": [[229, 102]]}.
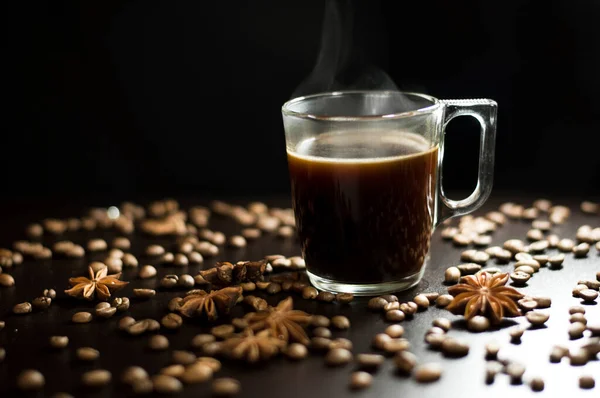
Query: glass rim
{"points": [[287, 111]]}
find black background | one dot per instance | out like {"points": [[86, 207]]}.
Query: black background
{"points": [[130, 99]]}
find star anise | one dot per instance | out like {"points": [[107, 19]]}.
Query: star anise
{"points": [[199, 303], [98, 284], [227, 274], [285, 322], [484, 294], [253, 347]]}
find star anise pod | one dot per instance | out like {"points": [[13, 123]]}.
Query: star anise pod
{"points": [[484, 294], [285, 322], [227, 274], [98, 284], [199, 303], [252, 347]]}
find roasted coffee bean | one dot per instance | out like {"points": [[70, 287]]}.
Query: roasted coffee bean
{"points": [[155, 250], [525, 269], [503, 256], [186, 281], [409, 308], [482, 240], [171, 321], [240, 323], [594, 328], [516, 333], [369, 361], [237, 241], [275, 288], [105, 312], [22, 308], [133, 374], [327, 297], [461, 240], [578, 289], [225, 387], [536, 384], [222, 331], [296, 351], [449, 232], [322, 332], [180, 260], [431, 296], [428, 372], [59, 341], [537, 318], [310, 293], [320, 343], [340, 322], [535, 235], [248, 286], [558, 353], [578, 317], [395, 316], [394, 305], [338, 357], [421, 300], [196, 373], [30, 380], [581, 250], [492, 368], [452, 275], [341, 342], [96, 378], [478, 324], [491, 350], [6, 280], [586, 382], [444, 300], [542, 301], [81, 317], [125, 322], [2, 325], [201, 339], [169, 281], [380, 339], [166, 384], [469, 268], [539, 246], [519, 278], [595, 285], [87, 354], [394, 331], [144, 293], [565, 245], [95, 245], [578, 357], [442, 323], [523, 256], [530, 213], [577, 309], [515, 371], [496, 217], [542, 259], [588, 295], [147, 271], [493, 250], [514, 246], [454, 348], [183, 357], [556, 260], [576, 330], [491, 270], [262, 285], [41, 303], [344, 298], [405, 361], [395, 345], [158, 342], [360, 380]]}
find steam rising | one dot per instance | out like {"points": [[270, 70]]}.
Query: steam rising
{"points": [[341, 64]]}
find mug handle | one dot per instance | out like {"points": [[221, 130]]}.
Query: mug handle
{"points": [[484, 110]]}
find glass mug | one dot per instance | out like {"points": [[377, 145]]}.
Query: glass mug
{"points": [[366, 179]]}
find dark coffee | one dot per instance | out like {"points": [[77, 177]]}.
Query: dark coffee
{"points": [[364, 204]]}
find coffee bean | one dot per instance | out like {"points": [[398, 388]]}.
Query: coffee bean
{"points": [[341, 342], [514, 246], [536, 384], [22, 308], [496, 217], [147, 271], [81, 317], [30, 379], [144, 293], [166, 384], [59, 341], [201, 339], [380, 339], [281, 263], [87, 354], [491, 350], [565, 245], [41, 303], [237, 241], [595, 285], [168, 258], [248, 286], [222, 331], [478, 324], [537, 318], [535, 235], [2, 325], [519, 278], [527, 304], [503, 256], [169, 281], [155, 250], [482, 240], [226, 387], [431, 296], [395, 345], [133, 374], [296, 351], [581, 250], [394, 316], [6, 280], [340, 322], [586, 382], [539, 246], [556, 260], [444, 300], [428, 372], [125, 322], [377, 304], [196, 373], [515, 371], [542, 301], [394, 331], [530, 213], [442, 323], [96, 245], [492, 368], [525, 269], [171, 321], [577, 309], [493, 250], [180, 260], [158, 342], [320, 343], [516, 333], [322, 332], [138, 327], [409, 308], [588, 295], [360, 380], [394, 305], [275, 288], [542, 259], [338, 357], [435, 330], [309, 293], [327, 297], [578, 289], [461, 240], [576, 330], [594, 328], [578, 357], [369, 361], [421, 300], [344, 298], [183, 357], [557, 353], [454, 348], [468, 268], [522, 256], [578, 317], [320, 321], [96, 378]]}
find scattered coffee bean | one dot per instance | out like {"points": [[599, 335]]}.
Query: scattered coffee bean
{"points": [[514, 246], [327, 297], [96, 378], [492, 368], [595, 285], [6, 280], [309, 293], [222, 331], [225, 387], [491, 350], [41, 303], [503, 256], [196, 373], [581, 250], [341, 342], [125, 322], [576, 330], [144, 293], [81, 317], [454, 348], [96, 245], [87, 354], [496, 217], [340, 322], [158, 342], [171, 321], [535, 234], [515, 371], [578, 289], [444, 300], [421, 300], [449, 233], [593, 328], [370, 361], [578, 317], [180, 260], [395, 316], [478, 324], [201, 339], [578, 357], [320, 343], [59, 341], [482, 240], [155, 250], [409, 308], [536, 384], [461, 240], [516, 333], [525, 269], [588, 295], [428, 373], [394, 331], [452, 275], [22, 308], [237, 241], [133, 374], [275, 288], [586, 382], [30, 379], [296, 351], [147, 271], [2, 354], [557, 353], [169, 281], [181, 357], [469, 268], [322, 332], [166, 384], [537, 318], [338, 357], [360, 380], [320, 321], [394, 305], [519, 278], [542, 301], [539, 246], [344, 298], [380, 339], [565, 245], [395, 345]]}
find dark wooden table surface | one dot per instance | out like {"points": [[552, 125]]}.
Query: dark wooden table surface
{"points": [[25, 337]]}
